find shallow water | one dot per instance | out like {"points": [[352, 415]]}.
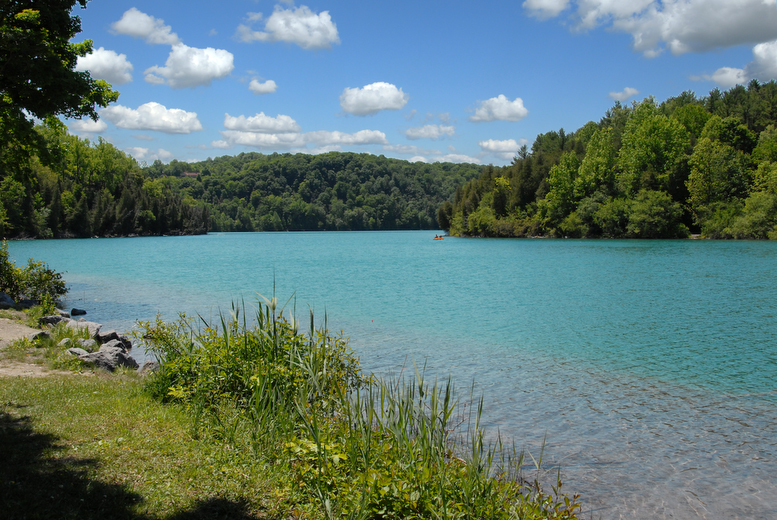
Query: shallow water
{"points": [[648, 366]]}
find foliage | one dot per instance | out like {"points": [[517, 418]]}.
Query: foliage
{"points": [[331, 191], [352, 446], [647, 170], [35, 282]]}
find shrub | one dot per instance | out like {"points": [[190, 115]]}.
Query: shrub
{"points": [[36, 281]]}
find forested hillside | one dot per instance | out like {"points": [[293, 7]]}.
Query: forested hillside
{"points": [[65, 186], [687, 165], [331, 191]]}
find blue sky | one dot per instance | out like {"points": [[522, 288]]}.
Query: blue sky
{"points": [[423, 81]]}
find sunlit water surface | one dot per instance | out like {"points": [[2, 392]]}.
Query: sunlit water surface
{"points": [[648, 366]]}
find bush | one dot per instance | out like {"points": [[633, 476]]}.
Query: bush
{"points": [[35, 282], [347, 445]]}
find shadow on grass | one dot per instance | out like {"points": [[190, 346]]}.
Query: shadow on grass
{"points": [[35, 483]]}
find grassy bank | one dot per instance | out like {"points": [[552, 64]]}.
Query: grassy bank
{"points": [[251, 418]]}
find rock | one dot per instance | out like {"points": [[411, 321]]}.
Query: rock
{"points": [[89, 345], [51, 320], [77, 312], [148, 367], [62, 313], [78, 352], [40, 335], [65, 343], [6, 302], [93, 327], [26, 304], [115, 343], [106, 336], [109, 358]]}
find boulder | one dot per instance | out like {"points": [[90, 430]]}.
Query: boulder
{"points": [[109, 358], [93, 327], [77, 312], [148, 367], [89, 345], [6, 302], [78, 352], [65, 343], [51, 320], [62, 313], [106, 336], [40, 335], [115, 343]]}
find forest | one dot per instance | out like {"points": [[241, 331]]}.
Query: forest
{"points": [[66, 186], [331, 191], [689, 165]]}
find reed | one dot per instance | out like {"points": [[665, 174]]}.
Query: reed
{"points": [[348, 445]]}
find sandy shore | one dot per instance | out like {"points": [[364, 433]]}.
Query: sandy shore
{"points": [[10, 331]]}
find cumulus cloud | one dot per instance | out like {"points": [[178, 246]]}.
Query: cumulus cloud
{"points": [[191, 67], [153, 116], [681, 26], [625, 94], [108, 65], [457, 158], [88, 126], [146, 154], [267, 87], [262, 124], [503, 149], [543, 9], [406, 149], [140, 25], [299, 25], [288, 140], [763, 67], [372, 98], [499, 109], [430, 132]]}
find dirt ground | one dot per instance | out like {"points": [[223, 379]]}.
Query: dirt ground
{"points": [[11, 330]]}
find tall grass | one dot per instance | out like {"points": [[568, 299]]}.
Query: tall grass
{"points": [[349, 445]]}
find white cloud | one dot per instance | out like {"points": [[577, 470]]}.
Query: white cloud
{"points": [[145, 154], [262, 124], [143, 137], [372, 98], [457, 158], [191, 67], [299, 25], [108, 65], [543, 9], [88, 126], [153, 116], [268, 87], [681, 26], [503, 149], [221, 144], [763, 67], [323, 137], [140, 25], [418, 158], [430, 132], [623, 95], [406, 149], [499, 109]]}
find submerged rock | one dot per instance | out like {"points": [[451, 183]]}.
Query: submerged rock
{"points": [[77, 312]]}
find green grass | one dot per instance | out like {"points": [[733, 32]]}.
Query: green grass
{"points": [[99, 447]]}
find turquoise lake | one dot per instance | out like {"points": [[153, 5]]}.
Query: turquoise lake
{"points": [[649, 367]]}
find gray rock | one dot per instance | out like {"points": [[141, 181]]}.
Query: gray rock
{"points": [[51, 320], [109, 358], [115, 343], [38, 336], [62, 313], [65, 343], [89, 345], [6, 302], [106, 336], [148, 367], [26, 304], [91, 326], [77, 312], [78, 352]]}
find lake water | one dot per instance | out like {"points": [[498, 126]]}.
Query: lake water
{"points": [[650, 367]]}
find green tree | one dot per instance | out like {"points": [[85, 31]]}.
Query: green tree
{"points": [[597, 171], [717, 174]]}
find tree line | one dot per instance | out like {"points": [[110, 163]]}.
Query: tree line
{"points": [[71, 187], [646, 170], [331, 191]]}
